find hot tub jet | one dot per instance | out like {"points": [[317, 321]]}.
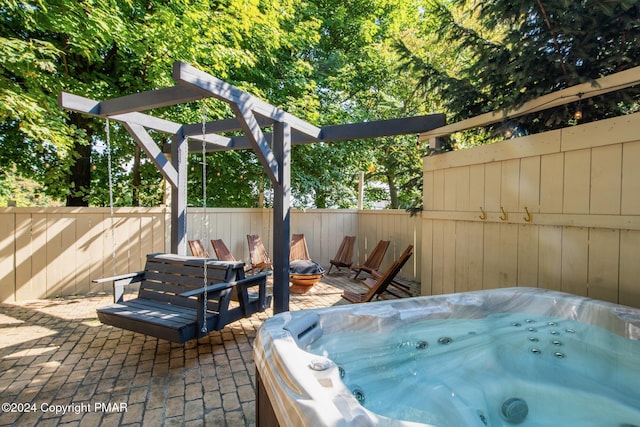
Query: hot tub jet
{"points": [[515, 410]]}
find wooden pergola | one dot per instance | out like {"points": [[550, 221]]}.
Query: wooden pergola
{"points": [[251, 116]]}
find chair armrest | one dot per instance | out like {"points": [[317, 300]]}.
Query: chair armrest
{"points": [[352, 297], [120, 281], [400, 287]]}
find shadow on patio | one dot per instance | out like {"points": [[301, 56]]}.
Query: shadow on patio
{"points": [[60, 366]]}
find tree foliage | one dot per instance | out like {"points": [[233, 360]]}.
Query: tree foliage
{"points": [[107, 49], [503, 53], [326, 61], [357, 78]]}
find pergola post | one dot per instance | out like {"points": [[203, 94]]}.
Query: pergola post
{"points": [[281, 216], [179, 153]]}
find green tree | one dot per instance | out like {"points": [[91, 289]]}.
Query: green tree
{"points": [[107, 49], [326, 61], [21, 191], [500, 54], [358, 80]]}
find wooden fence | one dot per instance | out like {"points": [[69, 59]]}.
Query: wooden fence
{"points": [[323, 230], [558, 210], [49, 252]]}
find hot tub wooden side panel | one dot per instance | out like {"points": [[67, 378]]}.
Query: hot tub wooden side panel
{"points": [[265, 415]]}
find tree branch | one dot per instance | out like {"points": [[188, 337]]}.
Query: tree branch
{"points": [[555, 39]]}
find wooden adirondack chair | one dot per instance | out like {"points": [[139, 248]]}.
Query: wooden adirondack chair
{"points": [[344, 257], [299, 248], [373, 261], [197, 249], [222, 252], [303, 271], [382, 284], [258, 254]]}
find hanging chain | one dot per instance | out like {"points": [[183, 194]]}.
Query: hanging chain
{"points": [[111, 210], [204, 208]]}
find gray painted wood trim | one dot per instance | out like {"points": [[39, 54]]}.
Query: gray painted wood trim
{"points": [[150, 100], [153, 151], [257, 140], [91, 107], [347, 132], [184, 73], [179, 153]]}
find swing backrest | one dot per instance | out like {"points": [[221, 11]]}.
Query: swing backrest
{"points": [[168, 275]]}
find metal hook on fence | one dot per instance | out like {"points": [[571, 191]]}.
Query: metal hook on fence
{"points": [[527, 218], [504, 216], [484, 214]]}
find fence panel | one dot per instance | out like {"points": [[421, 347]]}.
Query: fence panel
{"points": [[562, 212], [46, 252], [49, 252]]}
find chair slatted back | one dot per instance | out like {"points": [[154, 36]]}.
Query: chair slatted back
{"points": [[299, 248], [222, 252], [344, 256], [197, 249], [383, 282], [257, 252], [376, 256]]}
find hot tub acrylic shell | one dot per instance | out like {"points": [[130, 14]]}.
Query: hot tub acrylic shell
{"points": [[305, 389]]}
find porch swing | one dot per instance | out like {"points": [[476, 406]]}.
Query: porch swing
{"points": [[181, 298]]}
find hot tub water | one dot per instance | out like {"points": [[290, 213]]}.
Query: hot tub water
{"points": [[502, 370], [504, 357]]}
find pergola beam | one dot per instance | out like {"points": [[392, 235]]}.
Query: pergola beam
{"points": [[92, 107], [78, 103], [149, 122], [183, 73], [382, 128], [150, 100], [335, 133], [217, 126]]}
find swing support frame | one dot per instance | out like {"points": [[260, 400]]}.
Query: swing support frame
{"points": [[251, 116]]}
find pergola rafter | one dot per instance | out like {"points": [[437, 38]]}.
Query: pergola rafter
{"points": [[251, 116]]}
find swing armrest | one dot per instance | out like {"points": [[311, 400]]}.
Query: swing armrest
{"points": [[121, 277], [252, 301], [242, 284], [120, 281], [211, 288], [222, 291]]}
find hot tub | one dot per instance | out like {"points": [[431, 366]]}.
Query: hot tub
{"points": [[514, 356]]}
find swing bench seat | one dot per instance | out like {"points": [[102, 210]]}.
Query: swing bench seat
{"points": [[170, 303]]}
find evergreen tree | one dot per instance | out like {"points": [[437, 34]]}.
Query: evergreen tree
{"points": [[506, 52]]}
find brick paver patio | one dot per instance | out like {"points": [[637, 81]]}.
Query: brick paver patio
{"points": [[59, 366]]}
